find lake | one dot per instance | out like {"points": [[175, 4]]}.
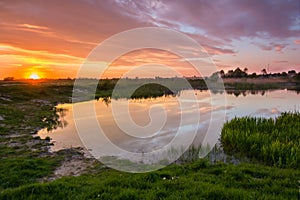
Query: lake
{"points": [[167, 114]]}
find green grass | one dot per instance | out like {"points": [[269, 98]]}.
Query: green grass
{"points": [[199, 180], [24, 170], [273, 142], [26, 108]]}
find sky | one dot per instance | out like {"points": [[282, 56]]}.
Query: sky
{"points": [[52, 39]]}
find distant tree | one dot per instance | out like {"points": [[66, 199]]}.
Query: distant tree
{"points": [[238, 73], [253, 75], [9, 79], [264, 71], [292, 72], [222, 73], [297, 77], [284, 74], [230, 73], [246, 70]]}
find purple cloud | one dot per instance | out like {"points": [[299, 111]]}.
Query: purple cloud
{"points": [[272, 46], [225, 19]]}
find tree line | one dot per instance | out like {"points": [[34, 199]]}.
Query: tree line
{"points": [[239, 73]]}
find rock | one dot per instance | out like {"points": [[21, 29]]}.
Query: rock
{"points": [[1, 118]]}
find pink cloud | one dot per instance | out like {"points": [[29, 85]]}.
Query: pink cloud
{"points": [[218, 51], [281, 61], [297, 41], [271, 46]]}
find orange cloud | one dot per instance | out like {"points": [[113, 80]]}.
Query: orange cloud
{"points": [[158, 59]]}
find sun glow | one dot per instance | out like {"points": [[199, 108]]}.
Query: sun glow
{"points": [[34, 76]]}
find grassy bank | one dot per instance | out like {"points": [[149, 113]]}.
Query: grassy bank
{"points": [[26, 108], [275, 142]]}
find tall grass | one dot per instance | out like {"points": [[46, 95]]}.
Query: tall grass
{"points": [[275, 142]]}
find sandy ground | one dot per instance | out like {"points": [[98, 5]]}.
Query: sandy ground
{"points": [[76, 162]]}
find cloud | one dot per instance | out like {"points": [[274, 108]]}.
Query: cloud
{"points": [[279, 47], [297, 41], [272, 46], [60, 26], [218, 51], [281, 61], [79, 26], [216, 24], [225, 19], [138, 58]]}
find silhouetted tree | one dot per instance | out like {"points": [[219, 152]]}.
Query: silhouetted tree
{"points": [[253, 74], [297, 77], [230, 73], [292, 72], [222, 73], [264, 71], [238, 73], [8, 78]]}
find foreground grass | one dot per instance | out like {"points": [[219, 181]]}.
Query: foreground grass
{"points": [[275, 142], [198, 180]]}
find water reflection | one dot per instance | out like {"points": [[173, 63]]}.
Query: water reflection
{"points": [[236, 93], [256, 103], [57, 119], [246, 92]]}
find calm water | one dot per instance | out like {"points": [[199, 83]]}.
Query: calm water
{"points": [[259, 104]]}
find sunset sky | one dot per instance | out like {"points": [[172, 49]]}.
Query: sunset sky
{"points": [[52, 38]]}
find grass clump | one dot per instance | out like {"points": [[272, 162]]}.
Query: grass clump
{"points": [[275, 142]]}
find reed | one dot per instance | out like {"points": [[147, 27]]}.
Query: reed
{"points": [[275, 142]]}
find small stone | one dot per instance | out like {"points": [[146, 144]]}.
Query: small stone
{"points": [[1, 118]]}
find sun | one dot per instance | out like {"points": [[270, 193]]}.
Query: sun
{"points": [[34, 76]]}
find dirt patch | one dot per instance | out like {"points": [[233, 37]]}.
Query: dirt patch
{"points": [[76, 162]]}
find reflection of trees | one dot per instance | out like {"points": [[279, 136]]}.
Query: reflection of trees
{"points": [[237, 93], [245, 92], [56, 119], [106, 100]]}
